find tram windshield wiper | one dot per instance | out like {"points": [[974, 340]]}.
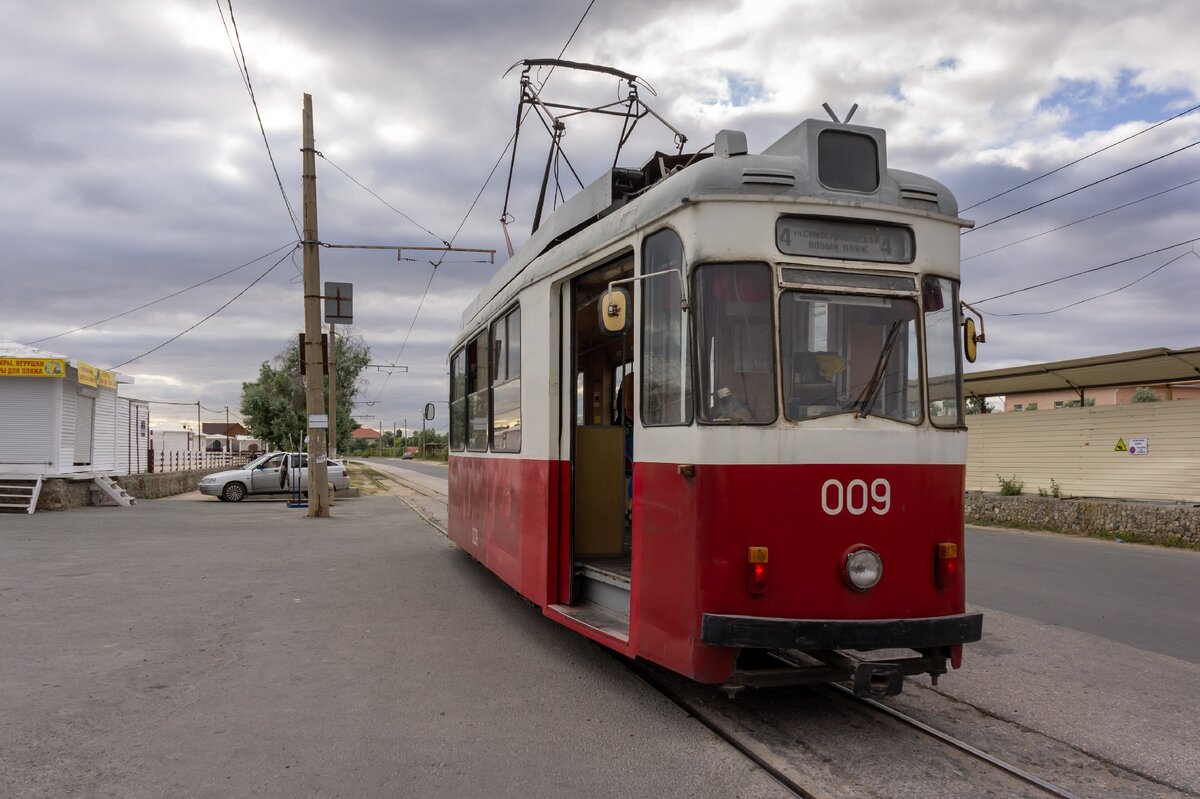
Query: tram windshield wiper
{"points": [[867, 398]]}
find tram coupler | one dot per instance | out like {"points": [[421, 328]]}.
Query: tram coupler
{"points": [[878, 679]]}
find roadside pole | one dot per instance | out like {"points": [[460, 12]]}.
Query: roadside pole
{"points": [[332, 448], [318, 482]]}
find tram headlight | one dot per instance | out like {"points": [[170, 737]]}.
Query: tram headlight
{"points": [[862, 569]]}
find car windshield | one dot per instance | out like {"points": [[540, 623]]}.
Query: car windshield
{"points": [[254, 464]]}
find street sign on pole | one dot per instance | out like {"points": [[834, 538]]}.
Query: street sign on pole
{"points": [[339, 303]]}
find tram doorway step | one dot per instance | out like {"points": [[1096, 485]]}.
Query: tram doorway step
{"points": [[605, 582]]}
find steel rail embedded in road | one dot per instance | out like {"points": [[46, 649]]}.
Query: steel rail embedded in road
{"points": [[721, 731], [730, 735], [961, 745]]}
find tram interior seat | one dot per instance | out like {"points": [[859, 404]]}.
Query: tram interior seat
{"points": [[812, 389]]}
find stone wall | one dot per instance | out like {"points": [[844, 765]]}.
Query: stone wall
{"points": [[61, 494], [1155, 522]]}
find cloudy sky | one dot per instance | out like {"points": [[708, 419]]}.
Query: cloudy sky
{"points": [[132, 165]]}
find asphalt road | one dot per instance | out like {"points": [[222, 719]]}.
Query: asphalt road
{"points": [[431, 468], [1140, 596], [187, 647]]}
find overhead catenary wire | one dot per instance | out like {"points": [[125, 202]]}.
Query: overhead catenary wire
{"points": [[1085, 272], [1084, 219], [1082, 188], [204, 282], [239, 55], [231, 300], [1153, 271], [475, 202], [325, 158], [1081, 158]]}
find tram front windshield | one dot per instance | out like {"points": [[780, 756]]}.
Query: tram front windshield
{"points": [[849, 353]]}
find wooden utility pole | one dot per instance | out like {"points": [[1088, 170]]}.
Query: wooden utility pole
{"points": [[333, 407], [314, 394]]}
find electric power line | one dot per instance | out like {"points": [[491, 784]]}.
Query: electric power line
{"points": [[1081, 158], [161, 299], [1081, 188], [1098, 296], [1085, 219], [1085, 271], [205, 319], [239, 55]]}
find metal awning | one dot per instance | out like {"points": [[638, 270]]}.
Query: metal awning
{"points": [[1138, 368]]}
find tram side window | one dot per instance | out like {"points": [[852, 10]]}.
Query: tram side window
{"points": [[506, 383], [735, 351], [458, 401], [666, 389], [940, 297], [477, 399]]}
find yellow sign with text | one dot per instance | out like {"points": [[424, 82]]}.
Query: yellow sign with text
{"points": [[91, 376], [32, 367], [87, 374]]}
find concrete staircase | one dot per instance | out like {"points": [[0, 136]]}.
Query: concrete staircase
{"points": [[109, 488], [19, 494]]}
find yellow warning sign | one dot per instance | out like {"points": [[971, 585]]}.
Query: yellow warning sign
{"points": [[1120, 447]]}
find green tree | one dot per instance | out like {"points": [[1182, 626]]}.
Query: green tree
{"points": [[274, 407], [977, 405], [1145, 394]]}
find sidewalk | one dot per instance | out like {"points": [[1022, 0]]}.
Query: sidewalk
{"points": [[190, 647]]}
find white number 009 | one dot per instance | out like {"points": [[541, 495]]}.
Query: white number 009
{"points": [[856, 497]]}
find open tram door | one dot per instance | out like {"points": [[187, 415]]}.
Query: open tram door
{"points": [[599, 391]]}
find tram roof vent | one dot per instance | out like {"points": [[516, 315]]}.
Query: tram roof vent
{"points": [[910, 192], [777, 177]]}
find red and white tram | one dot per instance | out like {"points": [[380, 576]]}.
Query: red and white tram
{"points": [[713, 409]]}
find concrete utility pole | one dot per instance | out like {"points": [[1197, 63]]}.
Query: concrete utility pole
{"points": [[314, 394], [332, 449]]}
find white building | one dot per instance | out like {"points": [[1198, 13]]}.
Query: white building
{"points": [[172, 440], [62, 417]]}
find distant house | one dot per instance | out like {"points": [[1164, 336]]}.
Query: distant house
{"points": [[365, 434], [60, 416], [170, 440], [219, 436]]}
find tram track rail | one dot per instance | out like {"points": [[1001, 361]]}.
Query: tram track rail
{"points": [[786, 768], [414, 487], [787, 771]]}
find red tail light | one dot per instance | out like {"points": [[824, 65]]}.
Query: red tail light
{"points": [[946, 566], [756, 570]]}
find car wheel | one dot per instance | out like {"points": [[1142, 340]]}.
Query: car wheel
{"points": [[233, 492]]}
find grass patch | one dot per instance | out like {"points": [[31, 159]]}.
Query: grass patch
{"points": [[368, 481]]}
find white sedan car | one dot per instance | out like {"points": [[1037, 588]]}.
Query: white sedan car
{"points": [[273, 473]]}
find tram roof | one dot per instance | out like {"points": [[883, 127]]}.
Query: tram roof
{"points": [[1137, 368], [626, 199]]}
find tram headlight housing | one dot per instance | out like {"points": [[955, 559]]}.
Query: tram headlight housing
{"points": [[862, 568]]}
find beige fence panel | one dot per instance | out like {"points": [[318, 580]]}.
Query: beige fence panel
{"points": [[1077, 448]]}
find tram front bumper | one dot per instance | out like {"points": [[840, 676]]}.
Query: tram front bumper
{"points": [[760, 632]]}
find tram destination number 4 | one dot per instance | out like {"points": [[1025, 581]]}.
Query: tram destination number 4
{"points": [[856, 497]]}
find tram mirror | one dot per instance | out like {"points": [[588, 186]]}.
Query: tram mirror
{"points": [[970, 337], [969, 348], [429, 411], [614, 311]]}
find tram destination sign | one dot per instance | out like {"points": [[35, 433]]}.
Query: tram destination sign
{"points": [[837, 238]]}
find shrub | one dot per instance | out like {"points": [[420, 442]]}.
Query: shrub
{"points": [[1055, 489], [1010, 486]]}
